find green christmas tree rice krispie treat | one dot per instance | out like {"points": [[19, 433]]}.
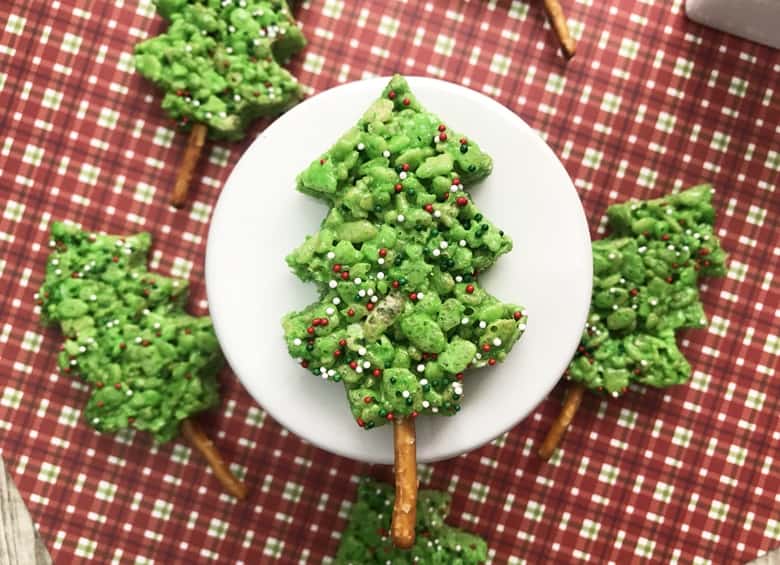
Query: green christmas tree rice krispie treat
{"points": [[366, 540], [219, 65], [402, 315], [645, 288], [150, 365]]}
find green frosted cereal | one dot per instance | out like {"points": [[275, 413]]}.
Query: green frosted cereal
{"points": [[366, 540], [402, 314], [219, 62], [150, 365], [644, 288]]}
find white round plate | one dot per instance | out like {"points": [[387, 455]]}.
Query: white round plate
{"points": [[260, 218]]}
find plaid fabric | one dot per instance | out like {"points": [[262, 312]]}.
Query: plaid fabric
{"points": [[650, 102]]}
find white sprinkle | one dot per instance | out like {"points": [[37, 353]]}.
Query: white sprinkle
{"points": [[462, 243], [612, 256], [374, 299], [55, 262], [436, 139], [223, 114], [402, 175], [331, 372], [95, 420], [361, 293], [323, 370], [420, 296], [138, 339], [642, 249], [437, 213], [229, 49], [653, 301], [497, 342], [325, 376], [458, 278], [359, 370], [380, 275], [436, 252], [400, 218], [644, 363], [405, 394], [362, 351], [297, 341], [444, 245], [333, 284], [521, 327], [82, 349], [482, 324], [381, 261], [615, 394], [670, 247], [331, 255], [329, 311], [358, 280], [454, 188], [423, 382], [614, 306], [478, 356], [385, 153], [237, 97], [464, 321], [360, 147], [188, 48], [336, 300], [73, 362], [93, 297], [421, 367], [208, 115], [129, 393], [425, 404], [52, 243], [435, 410]]}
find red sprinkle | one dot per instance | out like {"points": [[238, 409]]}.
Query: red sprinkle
{"points": [[412, 296], [406, 101], [344, 275], [130, 420], [323, 161], [461, 201], [442, 127], [517, 315], [405, 166], [368, 399], [145, 343], [304, 364], [343, 342], [350, 312], [315, 322], [491, 362], [456, 181], [122, 345], [395, 284], [310, 330], [634, 291], [704, 251], [390, 416], [428, 208], [115, 259], [336, 268], [353, 364], [463, 141], [469, 288], [370, 306], [459, 376], [669, 280], [391, 94], [383, 252], [337, 353], [99, 384], [399, 187], [665, 237], [360, 422], [486, 347], [117, 386], [442, 137], [414, 414], [377, 373], [324, 321]]}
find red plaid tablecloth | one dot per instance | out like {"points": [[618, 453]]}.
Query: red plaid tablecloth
{"points": [[650, 102]]}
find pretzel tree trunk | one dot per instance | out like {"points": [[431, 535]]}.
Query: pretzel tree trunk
{"points": [[558, 22], [560, 425], [190, 160], [405, 507], [194, 434]]}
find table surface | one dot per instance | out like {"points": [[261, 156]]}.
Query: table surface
{"points": [[651, 102]]}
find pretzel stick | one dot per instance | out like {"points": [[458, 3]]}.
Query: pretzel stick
{"points": [[189, 161], [405, 507], [558, 22], [561, 423], [193, 433]]}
